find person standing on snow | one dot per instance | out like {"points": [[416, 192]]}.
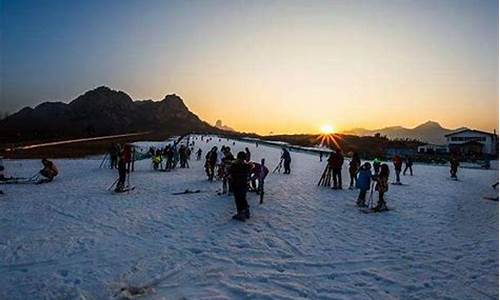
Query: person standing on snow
{"points": [[248, 154], [337, 160], [198, 154], [122, 173], [398, 164], [239, 173], [354, 165], [454, 164], [382, 187], [376, 166], [363, 183], [255, 173], [287, 160], [408, 165]]}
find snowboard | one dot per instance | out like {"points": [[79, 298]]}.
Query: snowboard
{"points": [[398, 183]]}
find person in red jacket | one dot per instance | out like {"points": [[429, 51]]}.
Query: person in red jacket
{"points": [[398, 164]]}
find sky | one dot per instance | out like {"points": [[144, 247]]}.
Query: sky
{"points": [[263, 66]]}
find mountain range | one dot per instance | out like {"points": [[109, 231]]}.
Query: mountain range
{"points": [[100, 112], [429, 132]]}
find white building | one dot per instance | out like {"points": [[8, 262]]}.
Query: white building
{"points": [[473, 141], [433, 149]]}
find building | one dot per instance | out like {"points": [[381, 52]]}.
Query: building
{"points": [[433, 149], [473, 142], [391, 152]]}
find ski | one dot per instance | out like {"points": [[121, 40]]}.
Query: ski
{"points": [[188, 192], [125, 190], [367, 210], [491, 198]]}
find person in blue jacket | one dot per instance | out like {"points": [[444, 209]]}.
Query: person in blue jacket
{"points": [[363, 183]]}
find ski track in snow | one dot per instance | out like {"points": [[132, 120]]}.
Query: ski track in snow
{"points": [[71, 239]]}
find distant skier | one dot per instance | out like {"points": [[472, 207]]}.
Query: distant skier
{"points": [[454, 164], [321, 156], [408, 165], [127, 155], [240, 172], [363, 183], [198, 154], [49, 171], [248, 154], [122, 173], [376, 166], [382, 187], [114, 150], [287, 159], [354, 165], [398, 164]]}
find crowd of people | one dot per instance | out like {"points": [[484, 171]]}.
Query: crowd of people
{"points": [[239, 174]]}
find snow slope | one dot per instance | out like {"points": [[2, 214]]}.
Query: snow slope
{"points": [[71, 239]]}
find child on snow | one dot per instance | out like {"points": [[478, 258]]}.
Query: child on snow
{"points": [[382, 187], [49, 171], [363, 183]]}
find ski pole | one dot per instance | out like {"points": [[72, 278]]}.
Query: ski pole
{"points": [[113, 184], [370, 200], [261, 181], [103, 160]]}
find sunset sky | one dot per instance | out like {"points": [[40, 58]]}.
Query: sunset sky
{"points": [[263, 66]]}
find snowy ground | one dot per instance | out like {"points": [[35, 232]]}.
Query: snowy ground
{"points": [[71, 239]]}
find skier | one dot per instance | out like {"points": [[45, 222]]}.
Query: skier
{"points": [[49, 171], [287, 159], [454, 164], [198, 154], [227, 160], [376, 166], [408, 165], [248, 154], [211, 161], [336, 161], [157, 160], [255, 173], [114, 150], [122, 173], [363, 183], [398, 164], [127, 155], [183, 156], [239, 172], [354, 165], [321, 156], [382, 187]]}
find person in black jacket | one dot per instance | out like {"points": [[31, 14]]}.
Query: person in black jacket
{"points": [[287, 159], [239, 172]]}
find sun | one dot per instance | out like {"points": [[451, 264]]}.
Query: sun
{"points": [[327, 129]]}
